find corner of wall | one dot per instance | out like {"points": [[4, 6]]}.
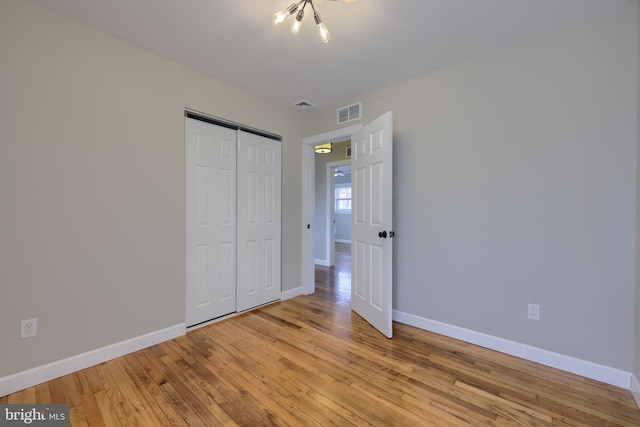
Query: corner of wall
{"points": [[635, 389]]}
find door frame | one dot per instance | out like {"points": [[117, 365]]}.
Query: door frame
{"points": [[308, 202]]}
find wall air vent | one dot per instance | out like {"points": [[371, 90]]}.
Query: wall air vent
{"points": [[348, 153], [303, 105], [350, 113]]}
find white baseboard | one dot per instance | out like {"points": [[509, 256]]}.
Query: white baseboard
{"points": [[323, 262], [29, 378], [570, 364], [291, 293], [635, 389]]}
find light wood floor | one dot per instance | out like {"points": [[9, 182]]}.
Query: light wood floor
{"points": [[310, 361]]}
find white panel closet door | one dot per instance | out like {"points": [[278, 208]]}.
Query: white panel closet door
{"points": [[259, 240], [210, 186]]}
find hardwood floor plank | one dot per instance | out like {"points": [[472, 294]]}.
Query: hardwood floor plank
{"points": [[209, 388], [77, 417], [120, 406], [92, 413], [505, 406], [150, 391], [279, 388], [241, 378], [154, 379], [184, 391], [127, 388], [56, 392], [186, 411], [107, 410], [71, 391], [364, 372], [42, 394]]}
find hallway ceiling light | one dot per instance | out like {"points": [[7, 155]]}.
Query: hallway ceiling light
{"points": [[323, 148], [284, 14]]}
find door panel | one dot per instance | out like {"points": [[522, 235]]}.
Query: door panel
{"points": [[372, 220], [210, 193], [259, 241]]}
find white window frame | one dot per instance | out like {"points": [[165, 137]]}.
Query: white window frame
{"points": [[335, 199]]}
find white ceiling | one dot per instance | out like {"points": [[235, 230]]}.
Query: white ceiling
{"points": [[374, 43]]}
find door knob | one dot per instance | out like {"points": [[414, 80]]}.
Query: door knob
{"points": [[382, 234]]}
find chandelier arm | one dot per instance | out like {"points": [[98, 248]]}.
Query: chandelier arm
{"points": [[312, 6]]}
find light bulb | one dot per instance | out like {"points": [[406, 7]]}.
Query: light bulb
{"points": [[296, 25], [324, 33], [280, 17]]}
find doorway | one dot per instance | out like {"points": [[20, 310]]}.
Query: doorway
{"points": [[372, 219], [333, 204], [333, 224], [308, 200]]}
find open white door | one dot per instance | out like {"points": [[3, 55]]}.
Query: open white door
{"points": [[372, 219]]}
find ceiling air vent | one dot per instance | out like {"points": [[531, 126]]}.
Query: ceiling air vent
{"points": [[350, 113], [303, 105]]}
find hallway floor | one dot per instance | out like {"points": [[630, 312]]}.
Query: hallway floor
{"points": [[335, 282]]}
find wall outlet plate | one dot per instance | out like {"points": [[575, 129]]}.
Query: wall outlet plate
{"points": [[28, 328], [534, 311]]}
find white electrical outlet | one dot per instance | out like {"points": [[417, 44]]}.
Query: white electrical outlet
{"points": [[28, 328], [534, 312]]}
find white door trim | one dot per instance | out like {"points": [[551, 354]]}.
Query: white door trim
{"points": [[308, 192]]}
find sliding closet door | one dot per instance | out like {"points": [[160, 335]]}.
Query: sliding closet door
{"points": [[210, 174], [259, 228]]}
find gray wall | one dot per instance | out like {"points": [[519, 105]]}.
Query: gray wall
{"points": [[92, 184], [515, 182]]}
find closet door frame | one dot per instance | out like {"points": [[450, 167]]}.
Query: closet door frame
{"points": [[266, 270]]}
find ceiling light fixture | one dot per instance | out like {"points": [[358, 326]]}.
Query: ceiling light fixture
{"points": [[284, 14], [323, 148]]}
